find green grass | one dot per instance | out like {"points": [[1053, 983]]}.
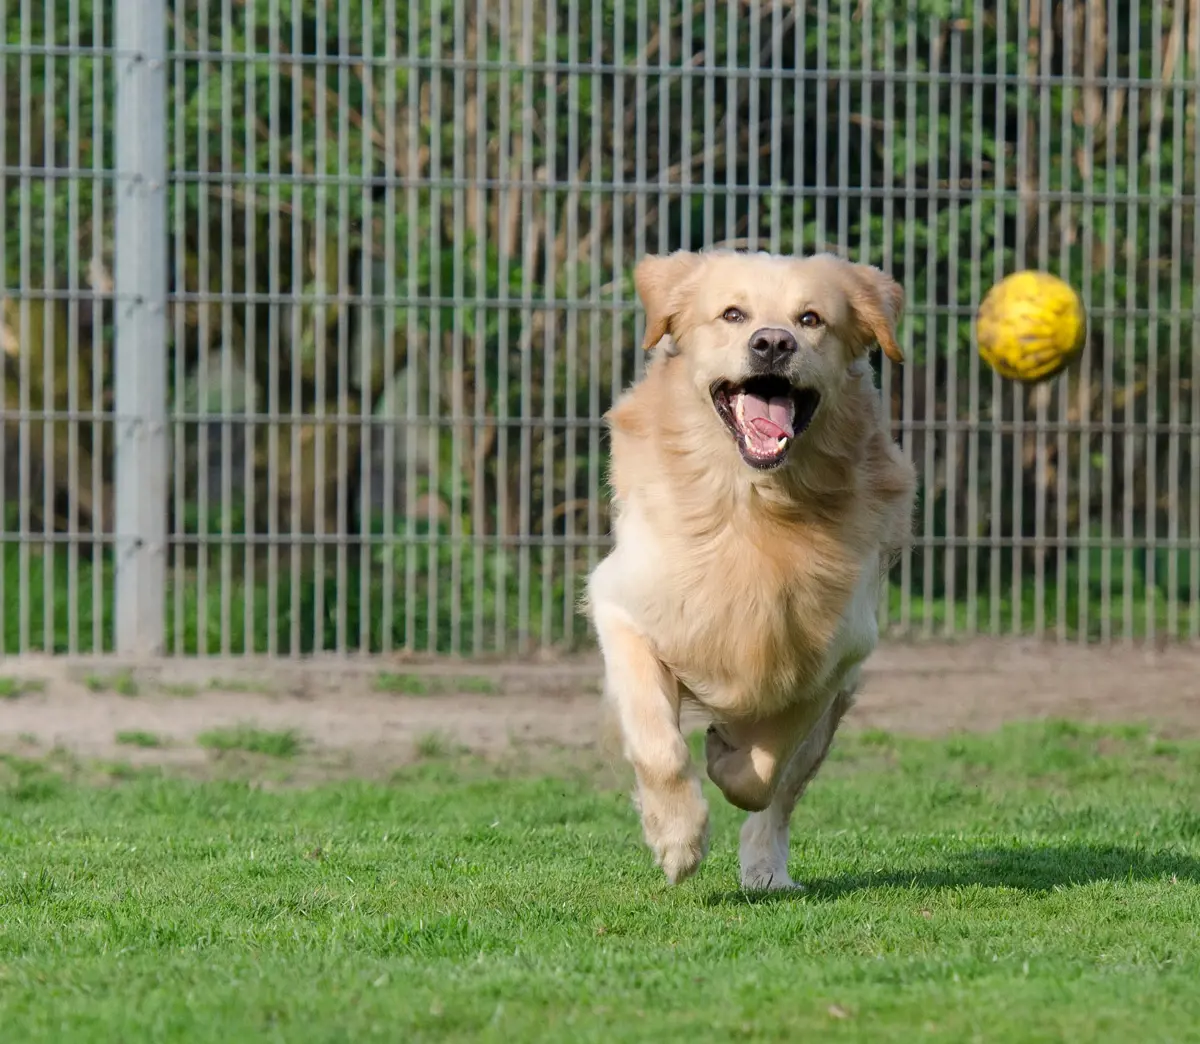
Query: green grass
{"points": [[278, 744], [239, 685], [139, 738], [424, 685], [1038, 884], [183, 690], [437, 744], [15, 688], [401, 684], [122, 683]]}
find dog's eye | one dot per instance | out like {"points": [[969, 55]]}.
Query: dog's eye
{"points": [[811, 320], [733, 315]]}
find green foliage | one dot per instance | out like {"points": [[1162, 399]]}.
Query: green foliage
{"points": [[139, 738], [277, 744]]}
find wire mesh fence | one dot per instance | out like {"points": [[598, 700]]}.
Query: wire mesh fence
{"points": [[394, 241]]}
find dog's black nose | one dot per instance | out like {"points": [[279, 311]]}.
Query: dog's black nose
{"points": [[771, 347]]}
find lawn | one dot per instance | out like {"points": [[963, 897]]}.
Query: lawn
{"points": [[1041, 883]]}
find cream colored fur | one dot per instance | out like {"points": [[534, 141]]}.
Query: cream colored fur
{"points": [[752, 593]]}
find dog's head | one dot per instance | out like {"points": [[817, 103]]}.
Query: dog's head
{"points": [[769, 341]]}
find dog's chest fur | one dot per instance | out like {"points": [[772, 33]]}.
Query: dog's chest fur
{"points": [[748, 625]]}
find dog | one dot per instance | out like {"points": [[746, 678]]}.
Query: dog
{"points": [[758, 501]]}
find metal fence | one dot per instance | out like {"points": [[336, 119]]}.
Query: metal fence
{"points": [[311, 310]]}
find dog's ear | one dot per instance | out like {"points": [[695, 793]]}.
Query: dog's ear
{"points": [[661, 280], [878, 302]]}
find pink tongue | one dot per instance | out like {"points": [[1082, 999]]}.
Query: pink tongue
{"points": [[769, 418]]}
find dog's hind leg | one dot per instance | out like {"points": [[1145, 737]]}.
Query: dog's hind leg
{"points": [[647, 700], [763, 851]]}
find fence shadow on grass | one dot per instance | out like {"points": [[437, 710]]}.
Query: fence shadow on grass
{"points": [[1031, 869]]}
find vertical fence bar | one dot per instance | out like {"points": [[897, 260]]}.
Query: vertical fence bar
{"points": [[996, 528], [102, 506], [391, 146], [551, 499], [572, 265], [1067, 221], [505, 163], [1111, 69], [1020, 258], [753, 182], [74, 253], [887, 372], [412, 170], [1084, 403], [866, 120], [1154, 220], [529, 201], [225, 359], [597, 209], [731, 123], [1042, 34], [141, 373], [433, 401], [299, 206], [775, 69], [1178, 57], [5, 493], [348, 286], [368, 342], [182, 433], [1194, 404], [930, 433], [179, 430], [483, 429], [275, 315], [1193, 630], [252, 399], [321, 281], [24, 249], [951, 437], [50, 379], [910, 270], [458, 376], [843, 111], [975, 270], [707, 150], [821, 171], [204, 289], [1130, 391]]}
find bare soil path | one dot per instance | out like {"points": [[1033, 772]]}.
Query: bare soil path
{"points": [[365, 718]]}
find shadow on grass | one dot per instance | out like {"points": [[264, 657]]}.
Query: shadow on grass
{"points": [[1031, 869]]}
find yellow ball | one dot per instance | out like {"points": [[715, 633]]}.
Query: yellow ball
{"points": [[1030, 326]]}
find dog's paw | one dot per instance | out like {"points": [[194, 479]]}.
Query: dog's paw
{"points": [[732, 769], [766, 877], [676, 829]]}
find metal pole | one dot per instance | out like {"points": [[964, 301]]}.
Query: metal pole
{"points": [[141, 350]]}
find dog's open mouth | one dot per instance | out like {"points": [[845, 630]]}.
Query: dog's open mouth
{"points": [[765, 415]]}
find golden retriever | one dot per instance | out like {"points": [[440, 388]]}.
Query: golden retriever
{"points": [[757, 500]]}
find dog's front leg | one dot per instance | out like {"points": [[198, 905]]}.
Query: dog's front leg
{"points": [[646, 697]]}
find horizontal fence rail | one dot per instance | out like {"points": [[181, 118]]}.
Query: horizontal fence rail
{"points": [[396, 241]]}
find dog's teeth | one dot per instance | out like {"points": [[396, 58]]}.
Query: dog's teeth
{"points": [[783, 441]]}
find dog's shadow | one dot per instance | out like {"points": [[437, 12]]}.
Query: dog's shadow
{"points": [[1041, 868]]}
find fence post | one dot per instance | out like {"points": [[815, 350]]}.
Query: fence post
{"points": [[141, 325]]}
